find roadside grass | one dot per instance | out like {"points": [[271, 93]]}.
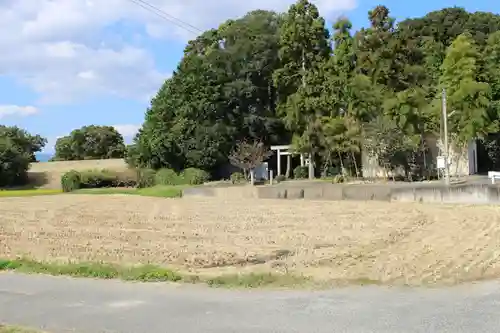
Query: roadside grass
{"points": [[28, 193], [256, 280], [160, 191], [150, 273], [16, 329]]}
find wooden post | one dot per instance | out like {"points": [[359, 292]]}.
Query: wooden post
{"points": [[288, 165], [311, 167], [279, 163]]}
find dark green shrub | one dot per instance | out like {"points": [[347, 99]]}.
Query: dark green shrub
{"points": [[126, 178], [145, 178], [192, 176], [301, 172], [71, 181], [98, 178], [14, 164], [167, 177], [280, 178], [237, 178], [331, 171]]}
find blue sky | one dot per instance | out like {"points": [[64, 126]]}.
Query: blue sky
{"points": [[71, 63]]}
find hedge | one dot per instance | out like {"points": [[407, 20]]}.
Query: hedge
{"points": [[142, 178]]}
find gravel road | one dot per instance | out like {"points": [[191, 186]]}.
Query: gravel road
{"points": [[59, 304]]}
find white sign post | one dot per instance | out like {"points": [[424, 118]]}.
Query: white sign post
{"points": [[441, 164]]}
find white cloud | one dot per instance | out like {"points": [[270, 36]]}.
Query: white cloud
{"points": [[16, 110], [208, 14], [127, 130], [64, 50]]}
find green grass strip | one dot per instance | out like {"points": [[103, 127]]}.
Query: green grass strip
{"points": [[16, 329], [149, 273], [146, 273], [28, 193], [256, 280], [156, 191]]}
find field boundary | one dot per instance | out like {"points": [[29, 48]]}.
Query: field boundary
{"points": [[427, 193]]}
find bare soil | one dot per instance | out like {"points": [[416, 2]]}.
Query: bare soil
{"points": [[394, 243]]}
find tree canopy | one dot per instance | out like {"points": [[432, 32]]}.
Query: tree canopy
{"points": [[17, 151], [286, 77], [90, 142]]}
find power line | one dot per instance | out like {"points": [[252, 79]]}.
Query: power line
{"points": [[170, 18]]}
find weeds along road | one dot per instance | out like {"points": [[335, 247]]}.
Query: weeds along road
{"points": [[59, 304]]}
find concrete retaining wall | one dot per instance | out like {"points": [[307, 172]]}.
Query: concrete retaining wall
{"points": [[465, 194]]}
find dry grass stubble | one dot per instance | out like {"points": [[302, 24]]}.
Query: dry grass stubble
{"points": [[336, 241]]}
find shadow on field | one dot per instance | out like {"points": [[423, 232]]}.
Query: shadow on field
{"points": [[36, 179]]}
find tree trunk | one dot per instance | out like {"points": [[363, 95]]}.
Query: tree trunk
{"points": [[327, 163], [311, 166], [355, 164], [252, 177], [288, 166], [341, 164]]}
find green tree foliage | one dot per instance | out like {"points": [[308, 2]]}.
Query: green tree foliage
{"points": [[90, 142], [340, 124], [17, 151], [221, 92], [303, 54], [468, 98], [491, 75], [375, 47], [492, 70], [391, 145], [279, 78], [23, 141], [437, 30]]}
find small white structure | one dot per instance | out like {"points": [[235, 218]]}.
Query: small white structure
{"points": [[463, 163], [493, 175], [286, 150]]}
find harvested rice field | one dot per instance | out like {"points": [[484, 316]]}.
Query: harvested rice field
{"points": [[389, 243]]}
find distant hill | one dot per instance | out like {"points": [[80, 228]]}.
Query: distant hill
{"points": [[43, 157]]}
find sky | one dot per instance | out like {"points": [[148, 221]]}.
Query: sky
{"points": [[65, 64]]}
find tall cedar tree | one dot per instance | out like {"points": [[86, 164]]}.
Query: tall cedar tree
{"points": [[340, 130], [467, 97], [492, 71], [304, 50]]}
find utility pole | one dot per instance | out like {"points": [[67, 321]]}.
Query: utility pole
{"points": [[446, 147], [311, 165]]}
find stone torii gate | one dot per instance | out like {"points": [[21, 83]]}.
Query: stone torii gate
{"points": [[286, 150]]}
